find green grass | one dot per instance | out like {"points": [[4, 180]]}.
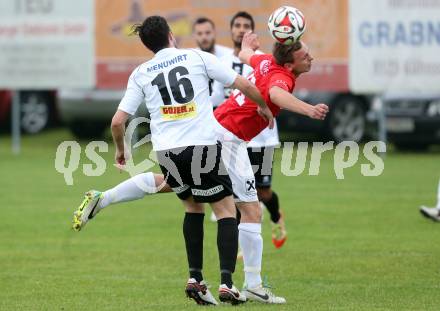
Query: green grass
{"points": [[354, 244]]}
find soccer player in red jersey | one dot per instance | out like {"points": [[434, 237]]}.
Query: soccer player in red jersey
{"points": [[275, 76]]}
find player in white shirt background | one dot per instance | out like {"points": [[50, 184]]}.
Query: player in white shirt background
{"points": [[174, 85], [261, 148], [205, 36]]}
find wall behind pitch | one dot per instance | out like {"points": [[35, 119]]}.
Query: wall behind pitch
{"points": [[118, 53]]}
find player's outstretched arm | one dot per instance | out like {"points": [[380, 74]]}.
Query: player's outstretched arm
{"points": [[250, 90], [287, 101], [248, 47]]}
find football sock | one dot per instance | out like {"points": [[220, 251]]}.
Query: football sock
{"points": [[193, 234], [132, 189], [227, 244], [273, 207], [251, 244]]}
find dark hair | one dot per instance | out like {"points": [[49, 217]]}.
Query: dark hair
{"points": [[244, 15], [154, 32], [284, 53], [202, 20]]}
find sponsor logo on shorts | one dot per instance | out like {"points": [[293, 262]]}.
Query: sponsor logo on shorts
{"points": [[266, 179], [180, 189], [208, 192], [178, 112], [250, 186]]}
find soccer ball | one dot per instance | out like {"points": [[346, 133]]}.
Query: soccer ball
{"points": [[286, 25]]}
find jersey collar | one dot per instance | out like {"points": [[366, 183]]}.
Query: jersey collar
{"points": [[165, 51]]}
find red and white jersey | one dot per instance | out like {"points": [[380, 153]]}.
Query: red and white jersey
{"points": [[268, 137], [238, 114], [175, 87]]}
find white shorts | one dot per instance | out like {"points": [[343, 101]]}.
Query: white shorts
{"points": [[236, 160]]}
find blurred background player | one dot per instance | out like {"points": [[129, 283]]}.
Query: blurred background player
{"points": [[432, 212], [261, 148], [204, 34]]}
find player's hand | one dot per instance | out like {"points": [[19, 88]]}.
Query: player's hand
{"points": [[266, 114], [319, 112], [121, 157], [250, 41]]}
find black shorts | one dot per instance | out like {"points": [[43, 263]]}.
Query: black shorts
{"points": [[262, 160], [197, 171]]}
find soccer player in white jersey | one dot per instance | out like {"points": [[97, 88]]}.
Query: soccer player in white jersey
{"points": [[238, 122], [261, 148], [204, 34], [174, 84]]}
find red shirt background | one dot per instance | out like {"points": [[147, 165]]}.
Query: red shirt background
{"points": [[238, 114]]}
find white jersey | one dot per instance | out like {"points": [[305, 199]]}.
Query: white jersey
{"points": [[268, 137], [175, 87], [220, 50]]}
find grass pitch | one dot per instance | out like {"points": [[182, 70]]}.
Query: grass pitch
{"points": [[353, 244]]}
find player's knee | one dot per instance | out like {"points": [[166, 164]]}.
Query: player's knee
{"points": [[258, 214], [250, 212], [195, 208], [160, 184]]}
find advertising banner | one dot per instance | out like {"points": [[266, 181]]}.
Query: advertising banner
{"points": [[46, 44], [118, 53], [395, 46]]}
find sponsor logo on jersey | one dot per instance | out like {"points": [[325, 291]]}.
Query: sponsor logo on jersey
{"points": [[178, 112], [282, 82], [264, 67]]}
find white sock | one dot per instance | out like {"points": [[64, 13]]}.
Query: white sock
{"points": [[132, 189], [251, 243]]}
